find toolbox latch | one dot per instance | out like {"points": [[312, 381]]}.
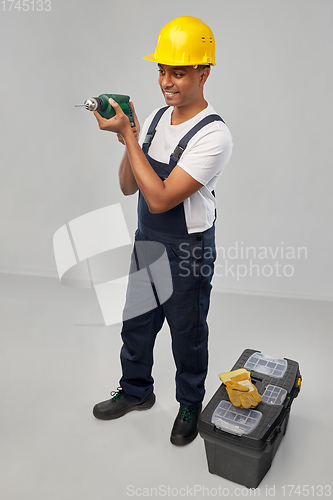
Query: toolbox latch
{"points": [[274, 434]]}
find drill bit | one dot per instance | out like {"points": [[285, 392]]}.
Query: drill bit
{"points": [[79, 105]]}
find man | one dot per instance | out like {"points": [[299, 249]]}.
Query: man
{"points": [[183, 149]]}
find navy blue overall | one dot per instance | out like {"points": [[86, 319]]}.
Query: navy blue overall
{"points": [[191, 258]]}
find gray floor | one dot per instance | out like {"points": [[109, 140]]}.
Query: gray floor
{"points": [[58, 360]]}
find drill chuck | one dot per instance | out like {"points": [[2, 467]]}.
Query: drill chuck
{"points": [[93, 104]]}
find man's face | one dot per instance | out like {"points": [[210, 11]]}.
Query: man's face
{"points": [[181, 85]]}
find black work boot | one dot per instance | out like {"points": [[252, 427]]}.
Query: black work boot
{"points": [[118, 406], [185, 426]]}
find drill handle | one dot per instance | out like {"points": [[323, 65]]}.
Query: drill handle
{"points": [[123, 101]]}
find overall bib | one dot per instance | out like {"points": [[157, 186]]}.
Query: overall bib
{"points": [[191, 258]]}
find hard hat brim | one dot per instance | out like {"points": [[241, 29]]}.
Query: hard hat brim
{"points": [[151, 57]]}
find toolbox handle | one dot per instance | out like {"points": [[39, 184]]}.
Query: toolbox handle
{"points": [[258, 382]]}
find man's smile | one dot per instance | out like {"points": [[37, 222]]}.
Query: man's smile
{"points": [[168, 93]]}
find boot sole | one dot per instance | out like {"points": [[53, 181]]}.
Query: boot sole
{"points": [[180, 441], [146, 405]]}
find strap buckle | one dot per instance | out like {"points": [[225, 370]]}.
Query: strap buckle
{"points": [[149, 138], [178, 152]]}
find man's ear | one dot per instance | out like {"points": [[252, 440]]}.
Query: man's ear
{"points": [[204, 74]]}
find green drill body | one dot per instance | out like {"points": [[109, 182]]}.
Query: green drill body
{"points": [[104, 108]]}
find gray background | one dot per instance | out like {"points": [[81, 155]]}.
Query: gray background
{"points": [[272, 84]]}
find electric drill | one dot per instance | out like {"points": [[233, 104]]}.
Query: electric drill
{"points": [[102, 105]]}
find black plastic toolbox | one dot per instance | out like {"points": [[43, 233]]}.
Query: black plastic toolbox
{"points": [[240, 444]]}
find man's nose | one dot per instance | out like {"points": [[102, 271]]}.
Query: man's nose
{"points": [[167, 81]]}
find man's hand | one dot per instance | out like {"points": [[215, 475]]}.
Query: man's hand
{"points": [[135, 128], [119, 124]]}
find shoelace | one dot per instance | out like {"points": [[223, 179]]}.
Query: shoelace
{"points": [[186, 413], [116, 394]]}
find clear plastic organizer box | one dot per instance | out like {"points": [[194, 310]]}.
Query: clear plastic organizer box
{"points": [[267, 365]]}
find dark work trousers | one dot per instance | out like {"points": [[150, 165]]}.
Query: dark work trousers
{"points": [[191, 259]]}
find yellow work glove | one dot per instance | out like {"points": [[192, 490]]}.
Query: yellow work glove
{"points": [[241, 391]]}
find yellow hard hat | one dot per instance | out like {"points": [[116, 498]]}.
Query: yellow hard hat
{"points": [[185, 41]]}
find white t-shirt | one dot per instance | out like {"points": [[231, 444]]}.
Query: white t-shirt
{"points": [[204, 159]]}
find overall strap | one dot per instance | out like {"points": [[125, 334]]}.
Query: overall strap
{"points": [[152, 129], [180, 148]]}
